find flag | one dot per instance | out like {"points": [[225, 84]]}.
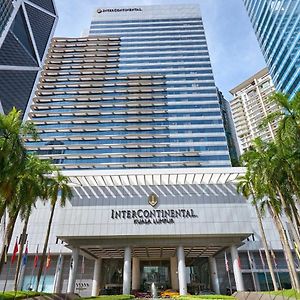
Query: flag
{"points": [[36, 257], [239, 262], [25, 256], [48, 261], [16, 249], [226, 263], [82, 265], [261, 258]]}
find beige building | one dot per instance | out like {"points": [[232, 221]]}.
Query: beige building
{"points": [[250, 106]]}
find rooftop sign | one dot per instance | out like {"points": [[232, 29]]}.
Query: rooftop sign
{"points": [[104, 10]]}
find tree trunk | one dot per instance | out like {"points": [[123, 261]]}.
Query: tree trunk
{"points": [[22, 242], [7, 238], [45, 248], [287, 250], [288, 213], [2, 211], [266, 248]]}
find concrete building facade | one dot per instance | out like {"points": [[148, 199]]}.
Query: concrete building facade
{"points": [[250, 105]]}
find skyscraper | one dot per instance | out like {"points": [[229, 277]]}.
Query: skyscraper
{"points": [[138, 92], [277, 27], [250, 106], [131, 114], [26, 27]]}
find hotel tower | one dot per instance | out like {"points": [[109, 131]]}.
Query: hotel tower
{"points": [[131, 115]]}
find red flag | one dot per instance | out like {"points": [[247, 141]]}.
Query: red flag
{"points": [[48, 261], [16, 249], [239, 262], [36, 257]]}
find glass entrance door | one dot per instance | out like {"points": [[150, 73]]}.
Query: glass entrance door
{"points": [[155, 272]]}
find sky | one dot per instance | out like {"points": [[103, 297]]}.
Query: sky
{"points": [[233, 47]]}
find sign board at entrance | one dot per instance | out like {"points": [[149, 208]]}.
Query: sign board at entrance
{"points": [[155, 216]]}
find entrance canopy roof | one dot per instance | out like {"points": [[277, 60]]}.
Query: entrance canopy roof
{"points": [[146, 177], [157, 247]]}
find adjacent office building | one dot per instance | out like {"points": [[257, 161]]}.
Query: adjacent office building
{"points": [[26, 28], [131, 115], [250, 106], [277, 27]]}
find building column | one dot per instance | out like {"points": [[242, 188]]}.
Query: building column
{"points": [[73, 270], [174, 273], [127, 271], [57, 288], [96, 277], [181, 271], [136, 274], [238, 277], [214, 274]]}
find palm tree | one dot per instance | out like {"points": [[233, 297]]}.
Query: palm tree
{"points": [[12, 153], [265, 169], [34, 187], [30, 185], [245, 187], [58, 190]]}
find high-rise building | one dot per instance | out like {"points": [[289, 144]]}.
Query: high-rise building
{"points": [[277, 27], [131, 115], [135, 93], [26, 28], [232, 141], [250, 106]]}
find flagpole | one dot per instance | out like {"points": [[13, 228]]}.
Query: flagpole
{"points": [[251, 268], [11, 262], [227, 269], [46, 269], [264, 268], [33, 269]]}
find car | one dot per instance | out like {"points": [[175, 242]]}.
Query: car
{"points": [[169, 294]]}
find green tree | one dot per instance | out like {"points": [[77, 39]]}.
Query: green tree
{"points": [[34, 187], [58, 190], [12, 153], [262, 163], [245, 187]]}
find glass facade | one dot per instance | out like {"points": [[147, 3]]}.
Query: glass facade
{"points": [[138, 92], [6, 9], [25, 30], [277, 27]]}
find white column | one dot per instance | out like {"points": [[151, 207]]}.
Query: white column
{"points": [[174, 273], [214, 274], [57, 288], [181, 271], [136, 274], [238, 277], [96, 277], [73, 270], [127, 271]]}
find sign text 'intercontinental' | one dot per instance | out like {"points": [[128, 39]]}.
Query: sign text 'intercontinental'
{"points": [[156, 216], [104, 10]]}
